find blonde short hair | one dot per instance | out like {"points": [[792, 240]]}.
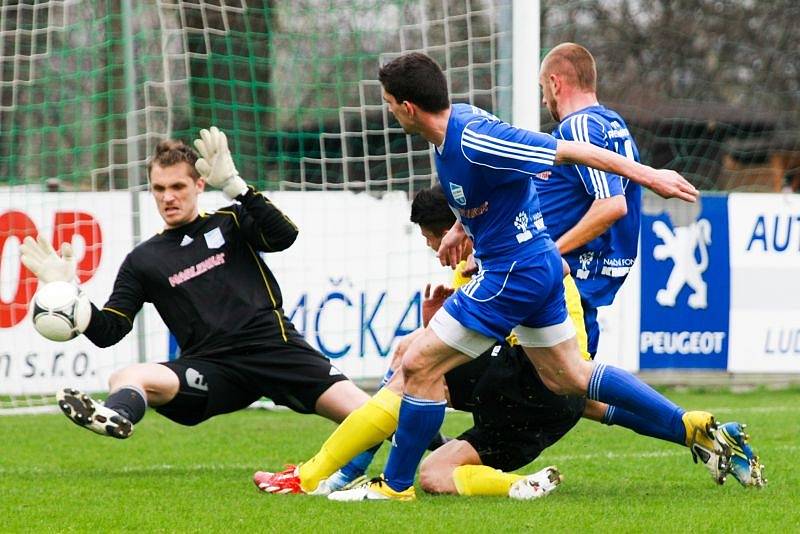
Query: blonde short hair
{"points": [[573, 62]]}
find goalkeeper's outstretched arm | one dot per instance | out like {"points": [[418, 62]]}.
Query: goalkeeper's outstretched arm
{"points": [[111, 323], [107, 326]]}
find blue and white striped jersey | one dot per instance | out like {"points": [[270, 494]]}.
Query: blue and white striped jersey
{"points": [[485, 169], [568, 191]]}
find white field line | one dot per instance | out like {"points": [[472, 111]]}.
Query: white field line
{"points": [[165, 468], [755, 409], [271, 406], [158, 468], [678, 451], [559, 457]]}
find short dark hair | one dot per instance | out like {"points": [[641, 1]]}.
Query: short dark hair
{"points": [[430, 210], [418, 79], [172, 152]]}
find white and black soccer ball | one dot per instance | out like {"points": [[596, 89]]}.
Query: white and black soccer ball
{"points": [[61, 311]]}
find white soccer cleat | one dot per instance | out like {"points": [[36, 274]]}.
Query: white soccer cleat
{"points": [[334, 483], [373, 490], [84, 411], [706, 448], [714, 460], [536, 485]]}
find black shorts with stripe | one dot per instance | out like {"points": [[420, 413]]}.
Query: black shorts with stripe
{"points": [[515, 416], [290, 373]]}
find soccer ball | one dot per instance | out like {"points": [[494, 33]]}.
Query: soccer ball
{"points": [[61, 311]]}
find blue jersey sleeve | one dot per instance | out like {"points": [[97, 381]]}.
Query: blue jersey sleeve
{"points": [[585, 128], [502, 147]]}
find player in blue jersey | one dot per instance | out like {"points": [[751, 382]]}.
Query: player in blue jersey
{"points": [[593, 218], [485, 168]]}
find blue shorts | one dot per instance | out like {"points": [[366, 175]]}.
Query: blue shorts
{"points": [[592, 327], [500, 297]]}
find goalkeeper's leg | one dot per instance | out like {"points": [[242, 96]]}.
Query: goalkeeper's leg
{"points": [[132, 389]]}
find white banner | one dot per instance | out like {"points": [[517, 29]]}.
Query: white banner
{"points": [[98, 226], [351, 282], [765, 282], [619, 325]]}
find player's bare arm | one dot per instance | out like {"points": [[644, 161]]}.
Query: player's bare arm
{"points": [[664, 182], [603, 213]]}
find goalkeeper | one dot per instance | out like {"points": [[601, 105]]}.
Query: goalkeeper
{"points": [[214, 291]]}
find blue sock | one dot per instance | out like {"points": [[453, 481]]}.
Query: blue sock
{"points": [[640, 425], [386, 377], [623, 390], [419, 422], [358, 465]]}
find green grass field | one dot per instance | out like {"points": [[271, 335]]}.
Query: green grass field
{"points": [[57, 477]]}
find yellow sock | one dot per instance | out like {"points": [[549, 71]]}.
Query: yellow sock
{"points": [[483, 480], [369, 425], [575, 310]]}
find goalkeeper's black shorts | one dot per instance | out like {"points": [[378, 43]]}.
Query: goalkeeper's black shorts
{"points": [[290, 373], [516, 417]]}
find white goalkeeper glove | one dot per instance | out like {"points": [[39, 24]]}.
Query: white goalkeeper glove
{"points": [[39, 256], [216, 165]]}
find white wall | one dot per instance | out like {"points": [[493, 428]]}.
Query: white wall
{"points": [[351, 282]]}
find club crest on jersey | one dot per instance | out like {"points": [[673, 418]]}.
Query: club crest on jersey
{"points": [[585, 260], [214, 238], [458, 194], [544, 175]]}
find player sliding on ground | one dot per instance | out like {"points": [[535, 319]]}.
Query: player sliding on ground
{"points": [[515, 416], [484, 166], [213, 290]]}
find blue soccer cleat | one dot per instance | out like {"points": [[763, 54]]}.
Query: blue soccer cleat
{"points": [[744, 463]]}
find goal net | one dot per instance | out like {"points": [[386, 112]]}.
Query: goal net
{"points": [[711, 89], [89, 87]]}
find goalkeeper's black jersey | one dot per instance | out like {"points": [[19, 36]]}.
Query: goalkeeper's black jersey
{"points": [[207, 281]]}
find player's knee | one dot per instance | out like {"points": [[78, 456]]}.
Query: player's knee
{"points": [[399, 351], [436, 478], [553, 384], [125, 377], [562, 381], [403, 345], [159, 383], [416, 369], [115, 377]]}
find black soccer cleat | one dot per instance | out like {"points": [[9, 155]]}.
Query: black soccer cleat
{"points": [[84, 411]]}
